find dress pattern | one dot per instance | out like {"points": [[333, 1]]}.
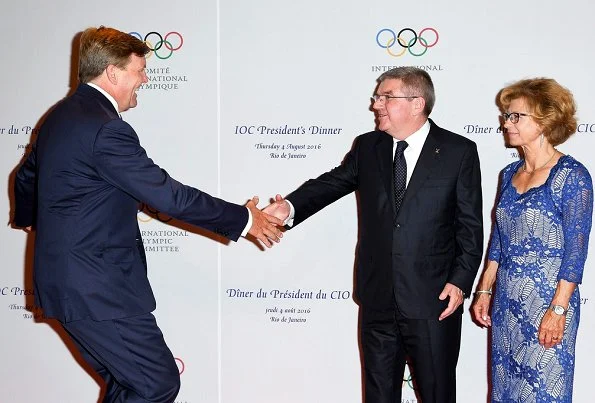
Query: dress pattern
{"points": [[540, 237]]}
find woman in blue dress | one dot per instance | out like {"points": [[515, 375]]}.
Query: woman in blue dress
{"points": [[537, 250]]}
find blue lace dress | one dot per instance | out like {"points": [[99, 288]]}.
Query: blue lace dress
{"points": [[540, 237]]}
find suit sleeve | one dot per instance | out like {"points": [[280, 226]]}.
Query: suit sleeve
{"points": [[468, 222], [316, 194], [25, 191], [123, 163]]}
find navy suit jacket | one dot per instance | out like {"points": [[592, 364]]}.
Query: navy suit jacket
{"points": [[80, 187], [437, 236]]}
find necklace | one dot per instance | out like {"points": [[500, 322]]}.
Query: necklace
{"points": [[541, 167]]}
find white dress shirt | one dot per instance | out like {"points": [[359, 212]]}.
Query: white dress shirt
{"points": [[415, 143]]}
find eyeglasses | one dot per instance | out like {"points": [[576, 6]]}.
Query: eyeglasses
{"points": [[383, 98], [513, 116]]}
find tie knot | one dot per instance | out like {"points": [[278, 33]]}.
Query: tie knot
{"points": [[401, 146]]}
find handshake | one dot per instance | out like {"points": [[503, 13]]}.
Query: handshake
{"points": [[267, 223]]}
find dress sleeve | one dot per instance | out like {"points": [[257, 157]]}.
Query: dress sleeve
{"points": [[577, 211], [494, 248]]}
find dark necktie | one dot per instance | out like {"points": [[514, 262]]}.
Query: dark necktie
{"points": [[400, 174]]}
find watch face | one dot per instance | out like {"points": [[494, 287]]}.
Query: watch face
{"points": [[558, 309]]}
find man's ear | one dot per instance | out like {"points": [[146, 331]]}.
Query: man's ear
{"points": [[112, 74], [419, 104]]}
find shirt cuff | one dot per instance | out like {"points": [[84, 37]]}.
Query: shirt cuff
{"points": [[249, 224], [289, 220]]}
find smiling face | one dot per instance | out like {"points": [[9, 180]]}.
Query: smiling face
{"points": [[526, 131], [128, 81], [399, 117]]}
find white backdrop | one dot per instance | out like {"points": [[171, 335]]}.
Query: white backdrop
{"points": [[258, 97]]}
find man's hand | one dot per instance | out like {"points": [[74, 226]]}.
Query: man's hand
{"points": [[264, 227], [28, 229], [279, 208], [456, 299]]}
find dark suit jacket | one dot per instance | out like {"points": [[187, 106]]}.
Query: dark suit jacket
{"points": [[81, 186], [437, 236]]}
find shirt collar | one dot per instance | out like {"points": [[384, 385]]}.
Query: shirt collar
{"points": [[417, 139], [105, 94]]}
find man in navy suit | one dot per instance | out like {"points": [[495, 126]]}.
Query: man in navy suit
{"points": [[80, 188], [420, 237]]}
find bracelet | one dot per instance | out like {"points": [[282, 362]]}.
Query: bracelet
{"points": [[489, 292]]}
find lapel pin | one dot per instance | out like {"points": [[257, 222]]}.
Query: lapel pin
{"points": [[437, 151]]}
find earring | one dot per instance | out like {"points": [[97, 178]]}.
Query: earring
{"points": [[541, 140]]}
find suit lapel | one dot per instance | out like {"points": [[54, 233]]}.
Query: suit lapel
{"points": [[430, 155], [384, 158]]}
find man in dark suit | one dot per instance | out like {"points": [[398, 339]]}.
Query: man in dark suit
{"points": [[421, 237], [80, 187]]}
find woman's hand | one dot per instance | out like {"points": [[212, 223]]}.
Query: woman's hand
{"points": [[551, 329], [481, 308]]}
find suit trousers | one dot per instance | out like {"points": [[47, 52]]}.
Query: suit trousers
{"points": [[131, 356], [431, 346]]}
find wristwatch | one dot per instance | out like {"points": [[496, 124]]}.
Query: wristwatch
{"points": [[558, 309]]}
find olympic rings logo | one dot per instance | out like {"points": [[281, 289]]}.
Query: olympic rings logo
{"points": [[163, 48], [151, 213], [409, 382], [408, 379], [180, 364], [407, 38]]}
